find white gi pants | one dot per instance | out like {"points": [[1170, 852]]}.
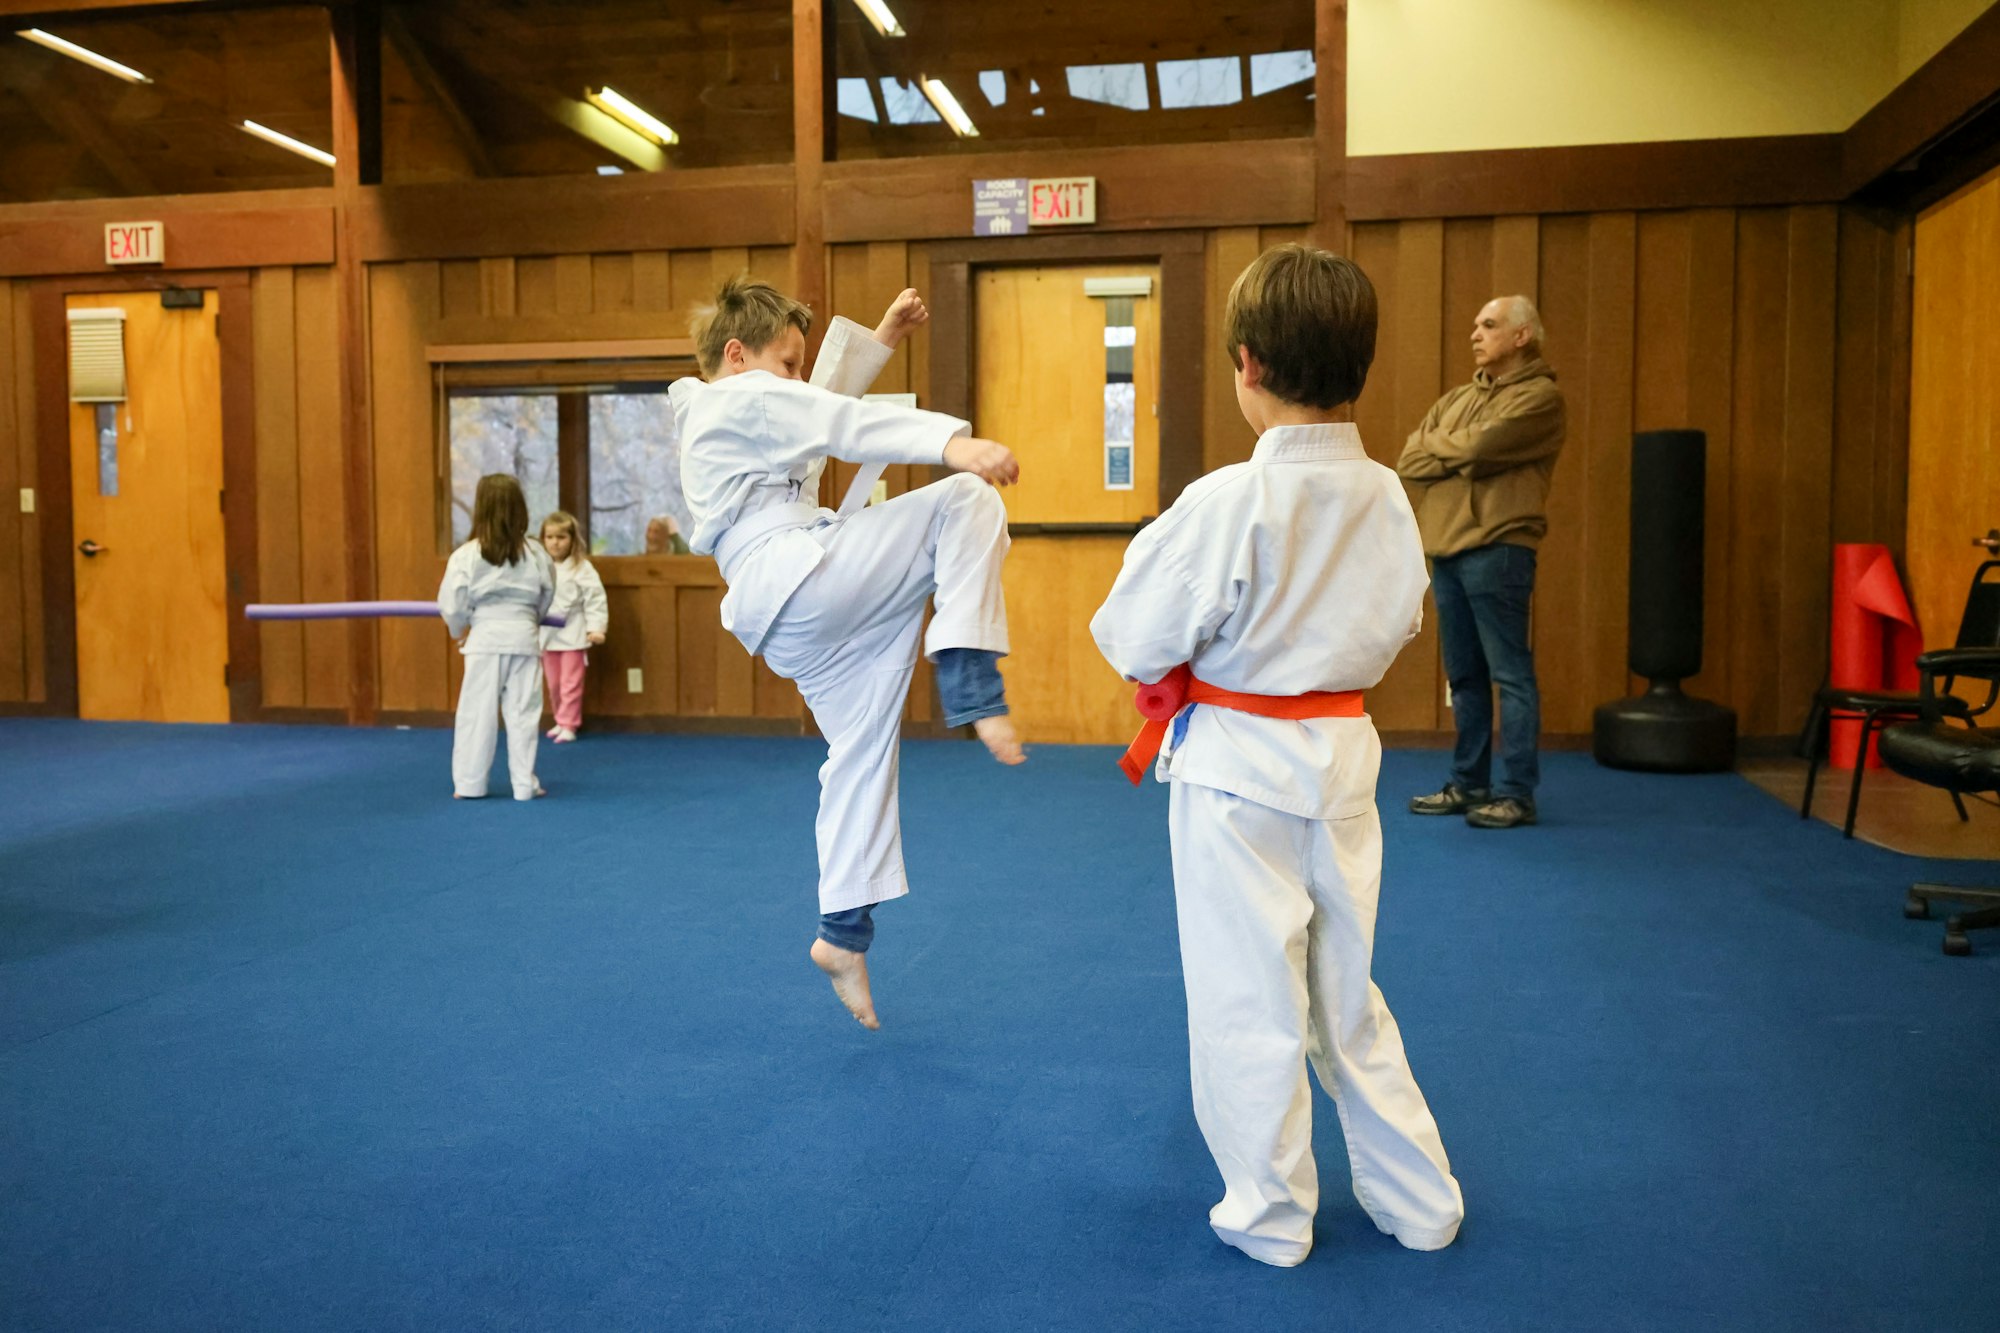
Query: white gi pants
{"points": [[1277, 927], [848, 637], [497, 686]]}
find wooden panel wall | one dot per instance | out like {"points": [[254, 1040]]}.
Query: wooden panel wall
{"points": [[21, 621], [1954, 472], [664, 618], [302, 544], [1735, 322]]}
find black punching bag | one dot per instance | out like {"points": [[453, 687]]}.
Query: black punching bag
{"points": [[1663, 730]]}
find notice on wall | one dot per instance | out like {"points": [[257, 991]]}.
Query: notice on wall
{"points": [[134, 243], [1000, 207]]}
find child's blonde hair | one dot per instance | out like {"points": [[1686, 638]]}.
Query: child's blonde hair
{"points": [[566, 522], [1308, 316], [749, 310], [500, 519]]}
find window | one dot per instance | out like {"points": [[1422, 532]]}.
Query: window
{"points": [[1116, 72], [596, 440]]}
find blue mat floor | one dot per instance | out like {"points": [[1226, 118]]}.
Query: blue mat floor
{"points": [[290, 1040]]}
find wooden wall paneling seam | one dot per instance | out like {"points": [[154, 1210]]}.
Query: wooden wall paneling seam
{"points": [[27, 451], [239, 480], [1806, 556], [1411, 697], [351, 87], [325, 533], [1561, 630], [1613, 256], [1757, 428], [274, 367], [463, 289], [1225, 436], [14, 525], [403, 302], [1710, 358]]}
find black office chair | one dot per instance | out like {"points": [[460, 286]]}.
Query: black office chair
{"points": [[1958, 758], [1978, 630]]}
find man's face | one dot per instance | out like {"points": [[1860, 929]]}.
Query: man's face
{"points": [[1495, 337], [784, 356]]}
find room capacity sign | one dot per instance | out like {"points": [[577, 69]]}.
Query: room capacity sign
{"points": [[1010, 206]]}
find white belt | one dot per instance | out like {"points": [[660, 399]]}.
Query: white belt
{"points": [[747, 534]]}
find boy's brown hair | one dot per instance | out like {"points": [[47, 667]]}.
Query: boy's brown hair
{"points": [[749, 310], [500, 519], [1308, 316]]}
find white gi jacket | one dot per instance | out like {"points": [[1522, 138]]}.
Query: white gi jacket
{"points": [[752, 449], [1299, 570], [581, 601], [500, 605]]}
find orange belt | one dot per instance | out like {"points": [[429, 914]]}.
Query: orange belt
{"points": [[1159, 703]]}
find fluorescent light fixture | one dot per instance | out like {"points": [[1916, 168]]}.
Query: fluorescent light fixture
{"points": [[632, 116], [288, 143], [88, 57], [948, 107], [877, 13], [611, 171]]}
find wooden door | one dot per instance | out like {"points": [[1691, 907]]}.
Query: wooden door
{"points": [[1041, 374], [151, 609]]}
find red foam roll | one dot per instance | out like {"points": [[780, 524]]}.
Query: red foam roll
{"points": [[1875, 638], [1165, 697]]}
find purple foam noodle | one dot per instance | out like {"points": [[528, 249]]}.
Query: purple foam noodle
{"points": [[358, 611]]}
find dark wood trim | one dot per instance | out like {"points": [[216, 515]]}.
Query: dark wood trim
{"points": [[33, 710], [239, 475], [1330, 125], [1949, 88], [572, 456], [357, 429], [707, 207], [1590, 178], [1183, 299], [23, 13], [812, 146], [38, 241], [1151, 187], [52, 469]]}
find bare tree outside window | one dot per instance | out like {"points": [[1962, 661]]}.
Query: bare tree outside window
{"points": [[635, 471], [510, 433]]}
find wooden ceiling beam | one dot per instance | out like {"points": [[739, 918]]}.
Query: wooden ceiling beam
{"points": [[64, 110], [433, 84]]}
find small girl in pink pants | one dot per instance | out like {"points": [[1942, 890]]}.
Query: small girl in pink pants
{"points": [[581, 601]]}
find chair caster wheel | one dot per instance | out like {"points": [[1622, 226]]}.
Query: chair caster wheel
{"points": [[1916, 909], [1955, 942]]}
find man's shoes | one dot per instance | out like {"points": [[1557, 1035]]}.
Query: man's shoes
{"points": [[1507, 812], [1453, 800]]}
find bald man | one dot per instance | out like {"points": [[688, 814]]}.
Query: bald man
{"points": [[1482, 459]]}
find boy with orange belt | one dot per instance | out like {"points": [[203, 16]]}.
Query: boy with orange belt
{"points": [[1264, 602]]}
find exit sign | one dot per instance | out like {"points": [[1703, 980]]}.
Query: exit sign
{"points": [[1062, 201], [134, 243]]}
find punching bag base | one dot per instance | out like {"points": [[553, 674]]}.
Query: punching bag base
{"points": [[1665, 731]]}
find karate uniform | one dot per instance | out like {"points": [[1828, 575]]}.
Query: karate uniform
{"points": [[835, 601], [1298, 571], [581, 601], [499, 609]]}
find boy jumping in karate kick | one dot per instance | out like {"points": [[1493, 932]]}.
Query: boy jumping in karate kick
{"points": [[835, 601], [1265, 600]]}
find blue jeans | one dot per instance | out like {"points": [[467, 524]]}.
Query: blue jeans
{"points": [[852, 930], [968, 685], [1482, 611]]}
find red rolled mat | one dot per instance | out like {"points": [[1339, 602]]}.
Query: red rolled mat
{"points": [[1875, 637]]}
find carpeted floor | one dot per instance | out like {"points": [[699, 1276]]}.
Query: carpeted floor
{"points": [[289, 1040]]}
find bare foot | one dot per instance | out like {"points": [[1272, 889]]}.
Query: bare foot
{"points": [[849, 973], [998, 733]]}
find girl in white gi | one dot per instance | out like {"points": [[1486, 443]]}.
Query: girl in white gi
{"points": [[496, 589], [835, 601], [1297, 577], [586, 613]]}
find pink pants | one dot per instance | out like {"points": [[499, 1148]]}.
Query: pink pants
{"points": [[564, 668]]}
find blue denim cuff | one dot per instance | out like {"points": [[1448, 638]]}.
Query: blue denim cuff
{"points": [[852, 930], [969, 685]]}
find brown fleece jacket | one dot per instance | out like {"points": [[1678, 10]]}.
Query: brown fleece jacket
{"points": [[1485, 454]]}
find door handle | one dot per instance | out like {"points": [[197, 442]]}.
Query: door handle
{"points": [[91, 550], [1991, 541]]}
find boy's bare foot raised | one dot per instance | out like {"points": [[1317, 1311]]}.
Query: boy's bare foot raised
{"points": [[1000, 738], [849, 973]]}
